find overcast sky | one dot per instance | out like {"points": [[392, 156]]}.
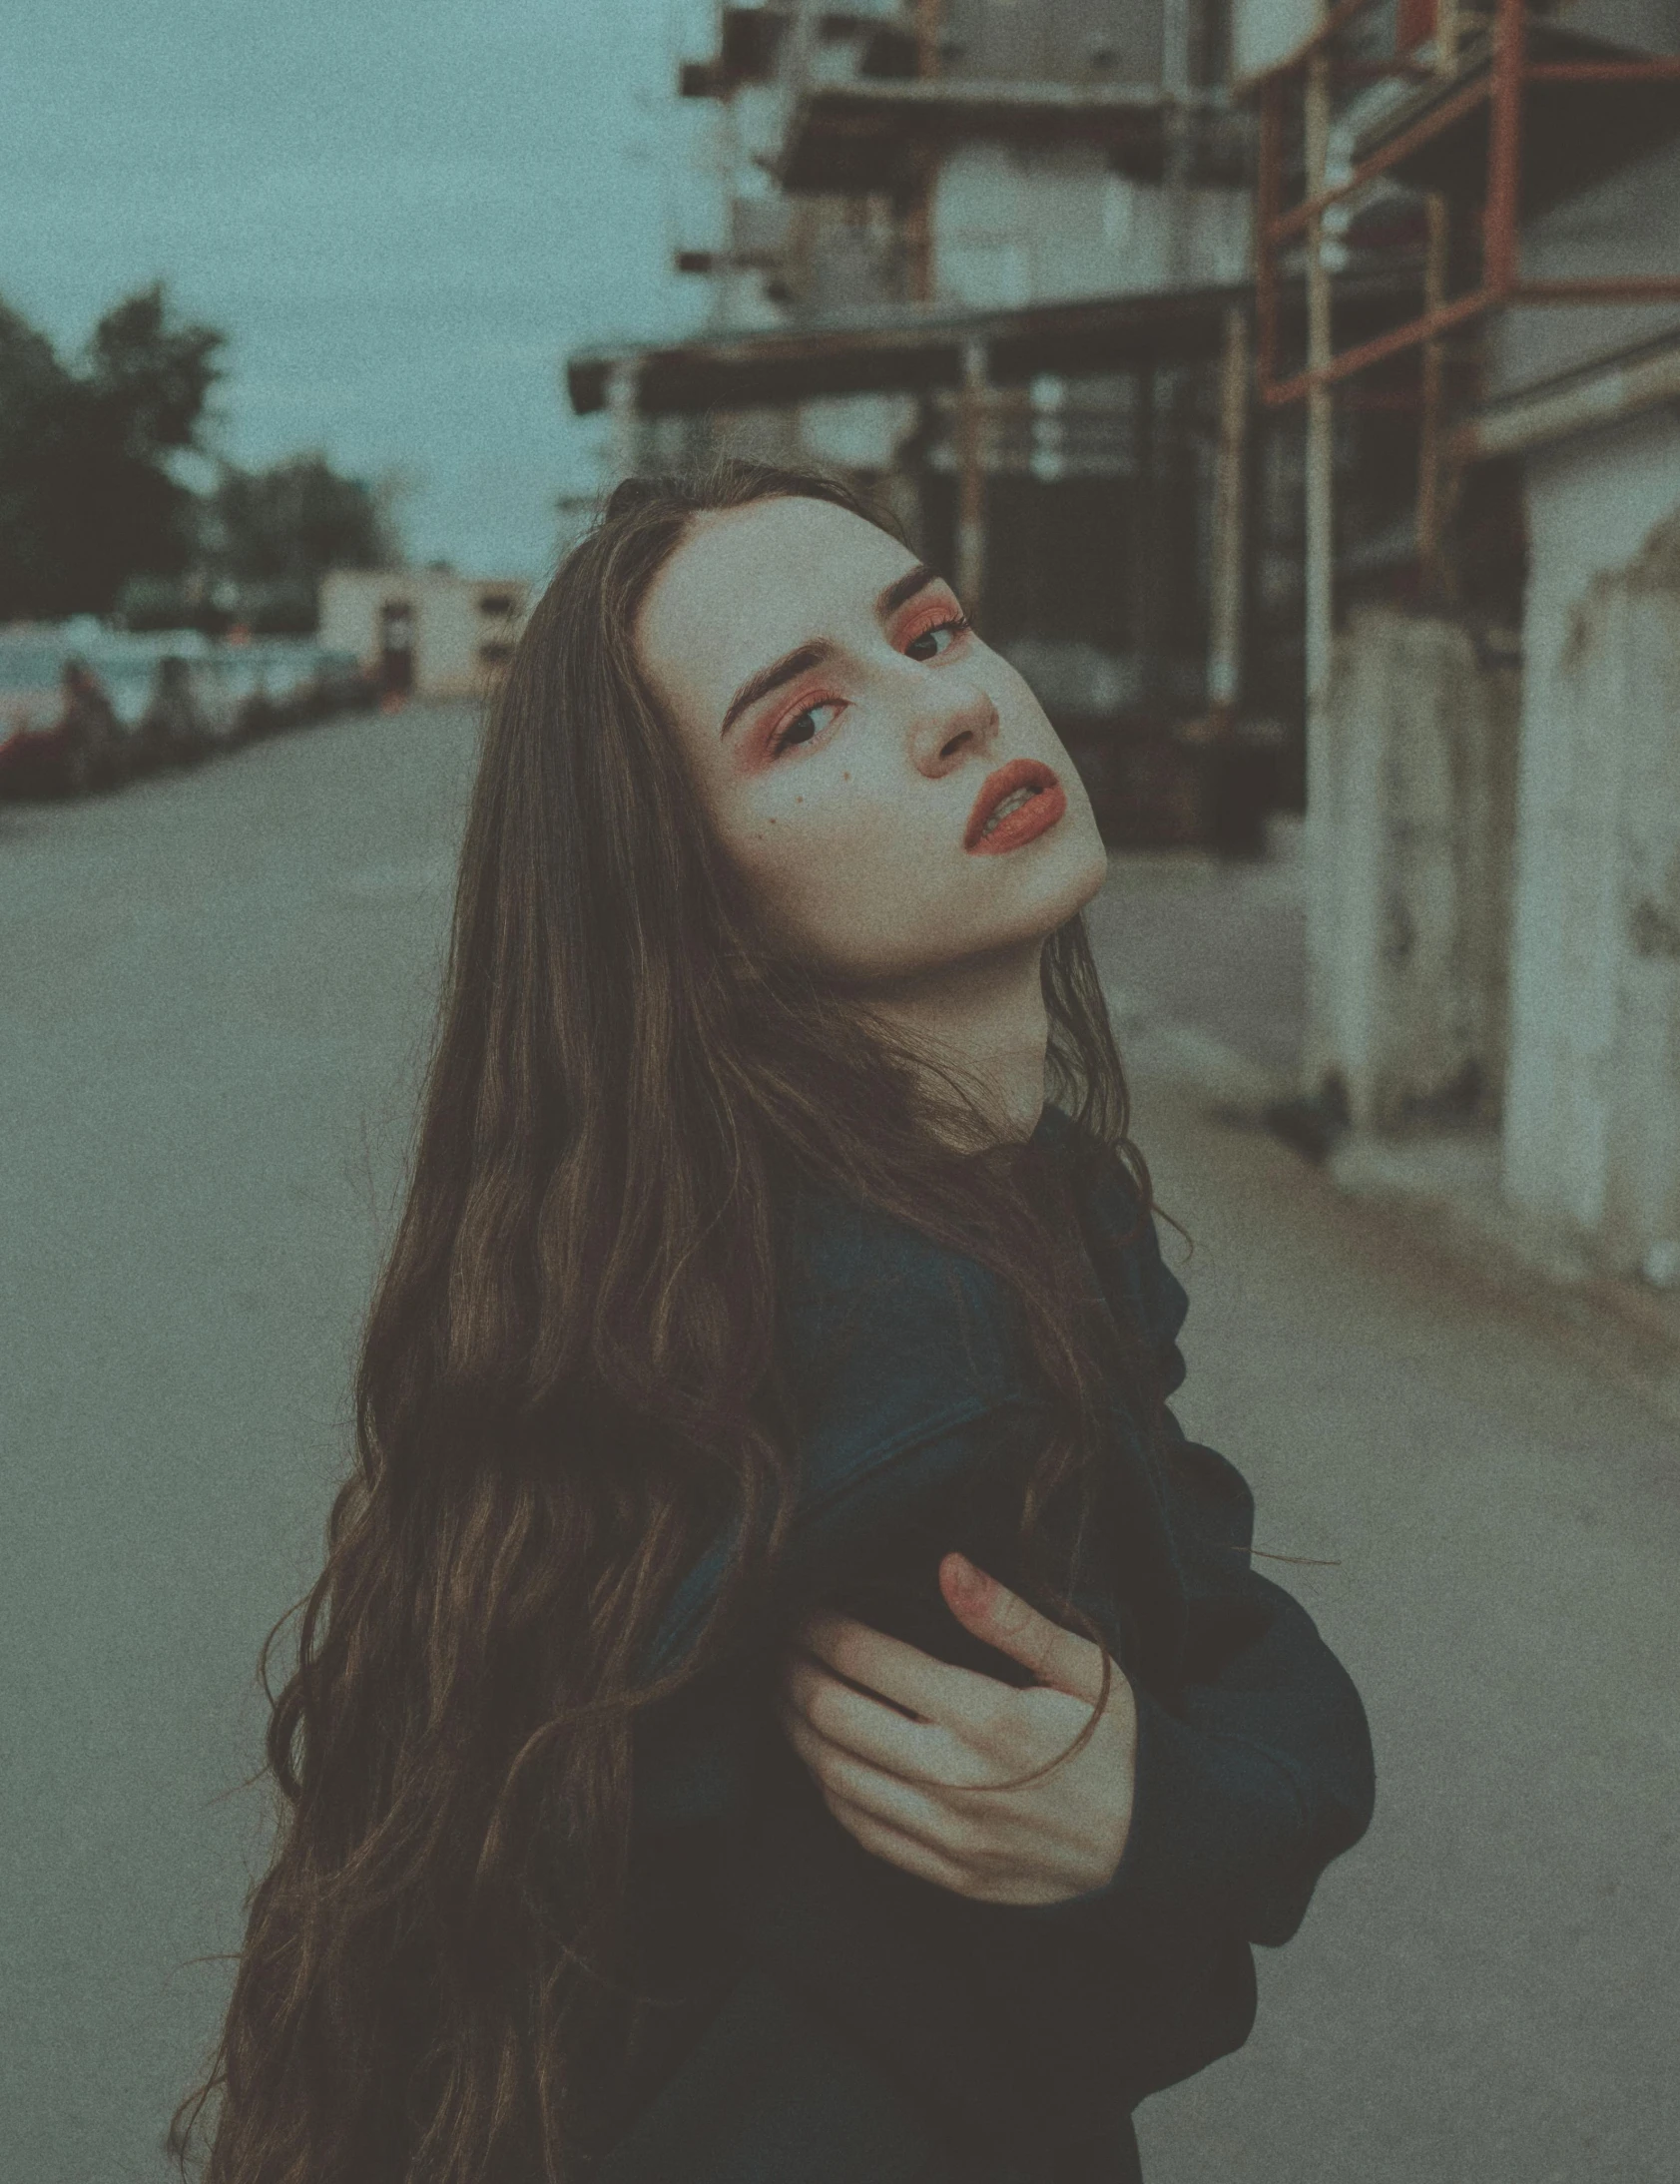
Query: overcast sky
{"points": [[402, 211]]}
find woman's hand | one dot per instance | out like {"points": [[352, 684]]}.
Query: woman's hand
{"points": [[911, 1786]]}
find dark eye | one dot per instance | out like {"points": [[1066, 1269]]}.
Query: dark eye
{"points": [[803, 726], [950, 631]]}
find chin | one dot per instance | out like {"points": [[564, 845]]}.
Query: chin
{"points": [[1093, 864], [1054, 897], [1079, 869]]}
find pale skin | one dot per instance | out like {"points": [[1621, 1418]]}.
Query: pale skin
{"points": [[843, 790]]}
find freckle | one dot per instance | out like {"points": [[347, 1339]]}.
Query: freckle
{"points": [[845, 777]]}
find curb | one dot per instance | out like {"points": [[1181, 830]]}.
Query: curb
{"points": [[1447, 1185]]}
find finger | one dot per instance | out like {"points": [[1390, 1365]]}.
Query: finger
{"points": [[936, 1691], [1060, 1659], [867, 1729], [859, 1794]]}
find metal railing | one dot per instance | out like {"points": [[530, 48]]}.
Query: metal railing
{"points": [[1497, 78]]}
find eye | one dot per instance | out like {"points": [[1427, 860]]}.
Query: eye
{"points": [[802, 726], [950, 630]]}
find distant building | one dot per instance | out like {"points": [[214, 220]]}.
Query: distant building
{"points": [[992, 259], [428, 633]]}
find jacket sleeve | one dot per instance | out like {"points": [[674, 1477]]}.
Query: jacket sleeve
{"points": [[875, 1555], [1021, 2026], [1257, 1769], [1248, 1782], [1254, 1770]]}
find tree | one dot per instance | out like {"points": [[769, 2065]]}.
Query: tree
{"points": [[297, 520], [270, 536], [36, 395], [92, 514], [86, 496]]}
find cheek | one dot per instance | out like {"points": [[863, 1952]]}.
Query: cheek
{"points": [[833, 850], [789, 832]]}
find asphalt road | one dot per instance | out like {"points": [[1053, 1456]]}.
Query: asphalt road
{"points": [[213, 997]]}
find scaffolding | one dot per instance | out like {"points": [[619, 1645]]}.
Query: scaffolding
{"points": [[1480, 94], [1485, 118]]}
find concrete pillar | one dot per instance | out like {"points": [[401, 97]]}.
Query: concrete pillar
{"points": [[1144, 572], [1409, 907], [1592, 1133], [624, 416], [972, 431], [1318, 566], [1229, 562], [1176, 125]]}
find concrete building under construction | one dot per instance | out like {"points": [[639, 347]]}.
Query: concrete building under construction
{"points": [[993, 261], [996, 260], [1291, 391]]}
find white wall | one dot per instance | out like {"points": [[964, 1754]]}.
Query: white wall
{"points": [[1263, 31], [1027, 227], [857, 431], [1629, 224], [1595, 807], [1409, 907], [1651, 24], [449, 626]]}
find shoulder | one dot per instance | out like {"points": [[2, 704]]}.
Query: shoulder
{"points": [[1125, 1243], [883, 1336], [898, 1363], [862, 1289]]}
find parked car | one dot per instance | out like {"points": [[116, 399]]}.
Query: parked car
{"points": [[287, 684], [64, 739], [336, 682], [84, 707], [193, 710]]}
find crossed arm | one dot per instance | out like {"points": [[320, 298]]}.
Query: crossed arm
{"points": [[1238, 1793], [919, 1761]]}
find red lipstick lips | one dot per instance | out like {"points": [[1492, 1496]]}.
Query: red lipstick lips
{"points": [[1039, 811]]}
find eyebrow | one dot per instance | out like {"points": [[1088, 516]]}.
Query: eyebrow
{"points": [[810, 655]]}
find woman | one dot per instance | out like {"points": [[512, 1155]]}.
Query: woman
{"points": [[658, 1802]]}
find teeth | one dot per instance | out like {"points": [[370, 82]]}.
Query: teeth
{"points": [[1012, 803]]}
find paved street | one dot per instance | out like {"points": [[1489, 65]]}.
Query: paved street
{"points": [[1221, 946], [212, 1004]]}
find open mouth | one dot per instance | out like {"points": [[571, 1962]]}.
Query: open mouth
{"points": [[1015, 804]]}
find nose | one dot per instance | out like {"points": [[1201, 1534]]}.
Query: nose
{"points": [[955, 722]]}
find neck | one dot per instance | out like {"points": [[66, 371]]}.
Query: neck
{"points": [[985, 1019]]}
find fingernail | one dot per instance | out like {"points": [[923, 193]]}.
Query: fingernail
{"points": [[969, 1584]]}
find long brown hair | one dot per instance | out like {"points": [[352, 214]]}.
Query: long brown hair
{"points": [[561, 1390]]}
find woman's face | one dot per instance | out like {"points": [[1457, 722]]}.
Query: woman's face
{"points": [[846, 731]]}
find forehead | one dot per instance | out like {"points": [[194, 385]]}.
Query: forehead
{"points": [[746, 584]]}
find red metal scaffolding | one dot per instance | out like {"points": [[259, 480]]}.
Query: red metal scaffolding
{"points": [[1499, 78], [1560, 110]]}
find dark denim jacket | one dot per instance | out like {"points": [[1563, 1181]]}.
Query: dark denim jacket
{"points": [[1009, 2036]]}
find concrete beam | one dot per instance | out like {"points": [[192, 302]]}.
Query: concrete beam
{"points": [[1576, 401]]}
